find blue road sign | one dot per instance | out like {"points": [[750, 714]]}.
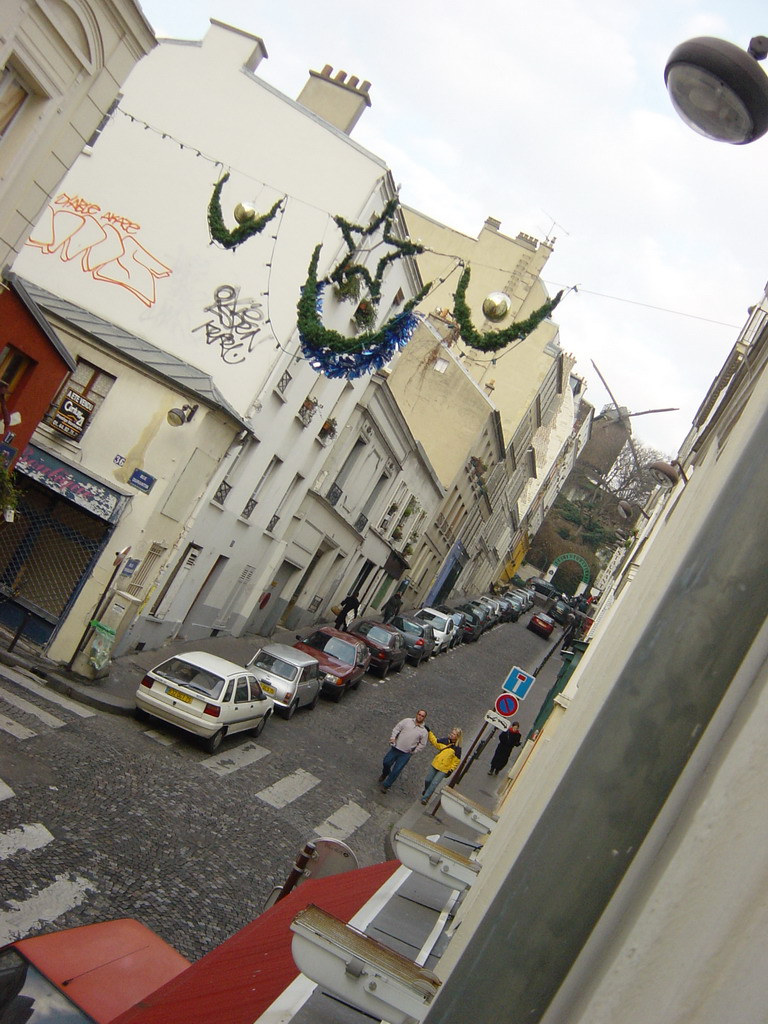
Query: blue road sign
{"points": [[518, 683]]}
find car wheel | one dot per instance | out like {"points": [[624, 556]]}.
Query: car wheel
{"points": [[400, 666], [290, 711], [213, 743], [384, 670], [259, 728], [338, 693], [140, 715], [315, 699]]}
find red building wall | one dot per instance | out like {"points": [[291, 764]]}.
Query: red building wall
{"points": [[42, 379]]}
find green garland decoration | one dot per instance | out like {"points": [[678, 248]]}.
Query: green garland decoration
{"points": [[347, 271], [317, 336], [220, 232], [492, 341]]}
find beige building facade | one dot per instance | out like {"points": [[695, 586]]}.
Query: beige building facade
{"points": [[62, 64]]}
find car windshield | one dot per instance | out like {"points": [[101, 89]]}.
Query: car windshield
{"points": [[333, 645], [381, 636], [29, 997], [407, 626], [278, 667], [434, 620], [193, 677]]}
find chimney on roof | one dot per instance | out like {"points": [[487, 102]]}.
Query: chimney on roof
{"points": [[338, 99]]}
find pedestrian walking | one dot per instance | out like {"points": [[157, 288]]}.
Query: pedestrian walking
{"points": [[508, 740], [569, 631], [350, 604], [447, 758], [392, 606], [408, 737]]}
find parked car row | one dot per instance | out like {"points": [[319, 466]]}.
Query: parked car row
{"points": [[211, 697]]}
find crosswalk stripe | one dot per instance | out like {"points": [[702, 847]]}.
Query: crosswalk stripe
{"points": [[5, 791], [49, 694], [160, 737], [14, 729], [343, 822], [55, 899], [31, 709], [240, 757], [23, 839], [286, 790]]}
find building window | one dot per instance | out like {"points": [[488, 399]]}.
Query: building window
{"points": [[283, 383], [253, 501], [13, 365], [79, 400], [13, 96]]}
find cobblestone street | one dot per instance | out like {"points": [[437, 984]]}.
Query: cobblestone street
{"points": [[102, 816]]}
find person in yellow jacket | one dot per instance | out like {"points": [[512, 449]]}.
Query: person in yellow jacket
{"points": [[447, 758]]}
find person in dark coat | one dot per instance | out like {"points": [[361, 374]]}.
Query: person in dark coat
{"points": [[392, 606], [508, 740], [350, 604]]}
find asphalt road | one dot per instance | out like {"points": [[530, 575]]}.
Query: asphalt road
{"points": [[102, 816]]}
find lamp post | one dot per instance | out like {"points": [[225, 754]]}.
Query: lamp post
{"points": [[718, 89]]}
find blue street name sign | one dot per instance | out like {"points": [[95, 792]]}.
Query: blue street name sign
{"points": [[518, 683]]}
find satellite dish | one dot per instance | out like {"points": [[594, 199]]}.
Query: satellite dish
{"points": [[320, 858], [331, 857]]}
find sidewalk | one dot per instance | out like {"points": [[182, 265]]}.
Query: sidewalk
{"points": [[114, 692]]}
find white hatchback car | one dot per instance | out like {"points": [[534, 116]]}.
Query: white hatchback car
{"points": [[443, 626], [290, 677], [205, 695]]}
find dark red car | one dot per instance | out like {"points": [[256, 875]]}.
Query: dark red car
{"points": [[385, 644], [343, 659], [541, 624]]}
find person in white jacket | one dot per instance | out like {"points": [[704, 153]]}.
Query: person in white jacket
{"points": [[408, 737]]}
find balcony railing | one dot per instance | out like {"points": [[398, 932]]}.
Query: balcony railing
{"points": [[361, 522], [333, 495]]}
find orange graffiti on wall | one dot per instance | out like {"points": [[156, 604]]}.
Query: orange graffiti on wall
{"points": [[103, 242]]}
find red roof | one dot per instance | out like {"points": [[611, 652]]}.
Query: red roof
{"points": [[104, 968], [237, 981]]}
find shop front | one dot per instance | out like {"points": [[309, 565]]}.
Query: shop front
{"points": [[64, 519]]}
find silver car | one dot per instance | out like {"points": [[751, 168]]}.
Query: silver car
{"points": [[290, 677]]}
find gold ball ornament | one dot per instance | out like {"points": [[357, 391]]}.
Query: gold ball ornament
{"points": [[244, 213], [496, 306]]}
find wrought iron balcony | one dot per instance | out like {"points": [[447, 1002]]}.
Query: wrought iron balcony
{"points": [[333, 495], [361, 522]]}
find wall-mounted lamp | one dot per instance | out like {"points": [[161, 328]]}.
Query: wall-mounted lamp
{"points": [[718, 89], [667, 473], [178, 417], [627, 508]]}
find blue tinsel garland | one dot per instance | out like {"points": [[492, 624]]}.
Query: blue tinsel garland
{"points": [[395, 335]]}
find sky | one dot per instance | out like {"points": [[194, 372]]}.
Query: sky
{"points": [[554, 119]]}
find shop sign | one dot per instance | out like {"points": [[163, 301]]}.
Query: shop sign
{"points": [[71, 483], [72, 414]]}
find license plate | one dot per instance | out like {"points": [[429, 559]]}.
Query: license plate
{"points": [[267, 688], [179, 696]]}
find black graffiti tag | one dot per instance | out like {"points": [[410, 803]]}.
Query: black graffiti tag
{"points": [[234, 325]]}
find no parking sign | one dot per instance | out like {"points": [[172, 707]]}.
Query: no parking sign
{"points": [[507, 705]]}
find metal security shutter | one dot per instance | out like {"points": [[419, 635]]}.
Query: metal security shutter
{"points": [[44, 555]]}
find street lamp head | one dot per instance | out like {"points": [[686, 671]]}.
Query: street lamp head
{"points": [[718, 89]]}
